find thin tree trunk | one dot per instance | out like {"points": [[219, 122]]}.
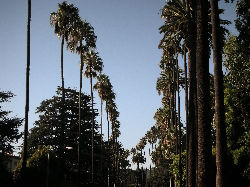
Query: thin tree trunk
{"points": [[62, 77], [27, 91], [101, 122], [219, 97], [92, 137], [203, 97], [179, 124], [79, 123], [107, 121], [186, 97], [63, 101], [101, 140], [108, 142], [113, 148], [174, 105], [175, 117]]}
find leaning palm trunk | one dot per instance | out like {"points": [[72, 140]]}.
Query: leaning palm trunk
{"points": [[219, 97], [203, 97], [27, 90]]}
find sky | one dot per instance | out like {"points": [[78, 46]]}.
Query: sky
{"points": [[127, 41]]}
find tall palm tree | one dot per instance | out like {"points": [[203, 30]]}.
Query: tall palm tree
{"points": [[110, 96], [115, 124], [203, 96], [81, 39], [219, 96], [63, 21], [27, 91], [94, 66], [103, 87]]}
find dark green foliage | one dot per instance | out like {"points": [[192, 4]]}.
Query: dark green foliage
{"points": [[45, 136], [242, 24], [9, 134], [47, 132], [237, 107], [237, 96], [43, 167]]}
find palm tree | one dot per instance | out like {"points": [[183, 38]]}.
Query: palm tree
{"points": [[203, 96], [94, 66], [81, 39], [110, 96], [219, 96], [105, 92], [63, 22], [27, 91], [103, 87], [113, 115]]}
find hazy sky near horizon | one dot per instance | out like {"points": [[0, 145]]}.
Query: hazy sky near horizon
{"points": [[127, 40]]}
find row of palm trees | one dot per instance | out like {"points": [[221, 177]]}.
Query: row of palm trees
{"points": [[189, 27], [80, 38]]}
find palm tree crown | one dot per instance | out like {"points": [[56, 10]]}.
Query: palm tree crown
{"points": [[63, 20], [93, 62]]}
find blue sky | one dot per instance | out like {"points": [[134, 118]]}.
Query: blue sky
{"points": [[127, 40]]}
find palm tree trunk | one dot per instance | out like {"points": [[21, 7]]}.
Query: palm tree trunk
{"points": [[27, 91], [191, 99], [219, 97], [62, 77], [101, 140], [92, 137], [186, 108], [79, 123], [63, 100], [101, 121], [203, 97], [191, 125], [107, 120], [108, 142]]}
